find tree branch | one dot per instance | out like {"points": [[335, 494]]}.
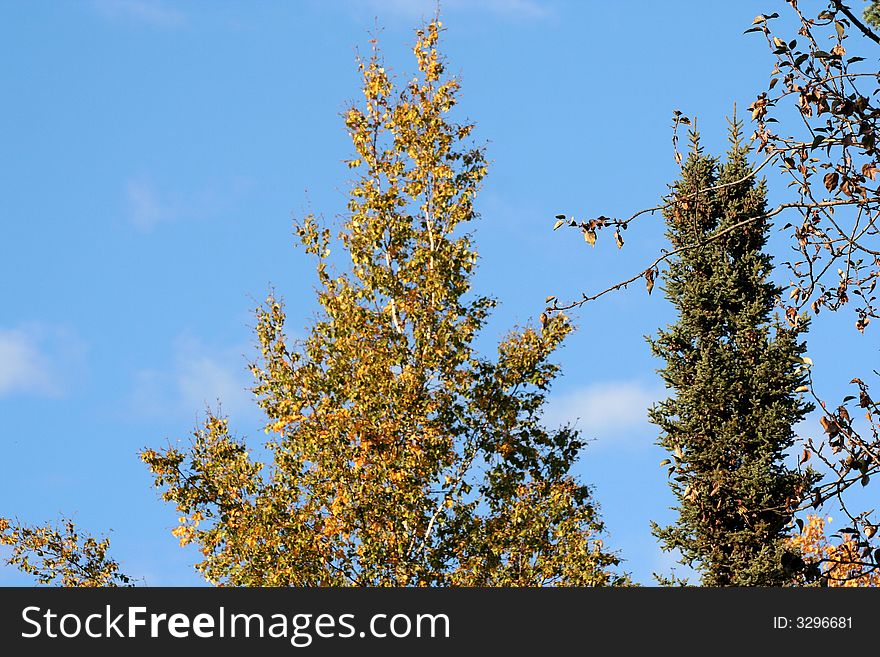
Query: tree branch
{"points": [[867, 31], [668, 254]]}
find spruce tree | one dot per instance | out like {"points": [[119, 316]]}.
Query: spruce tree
{"points": [[733, 368]]}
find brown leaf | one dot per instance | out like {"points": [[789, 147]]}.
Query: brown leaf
{"points": [[830, 180], [649, 280], [829, 427]]}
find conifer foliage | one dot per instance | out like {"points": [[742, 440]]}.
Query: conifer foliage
{"points": [[734, 371], [399, 455]]}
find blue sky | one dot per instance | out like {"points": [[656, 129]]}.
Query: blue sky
{"points": [[156, 153]]}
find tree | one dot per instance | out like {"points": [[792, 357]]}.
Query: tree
{"points": [[399, 456], [60, 555], [827, 72], [840, 563], [872, 13], [827, 145], [735, 372]]}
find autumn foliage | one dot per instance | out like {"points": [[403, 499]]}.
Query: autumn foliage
{"points": [[61, 555], [399, 455], [840, 563]]}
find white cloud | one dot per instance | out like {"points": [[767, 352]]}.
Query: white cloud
{"points": [[148, 206], [22, 367], [36, 359], [152, 13], [203, 380], [668, 564], [604, 409], [197, 378], [521, 9], [146, 210]]}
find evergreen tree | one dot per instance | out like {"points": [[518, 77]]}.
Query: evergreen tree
{"points": [[400, 456], [734, 369]]}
